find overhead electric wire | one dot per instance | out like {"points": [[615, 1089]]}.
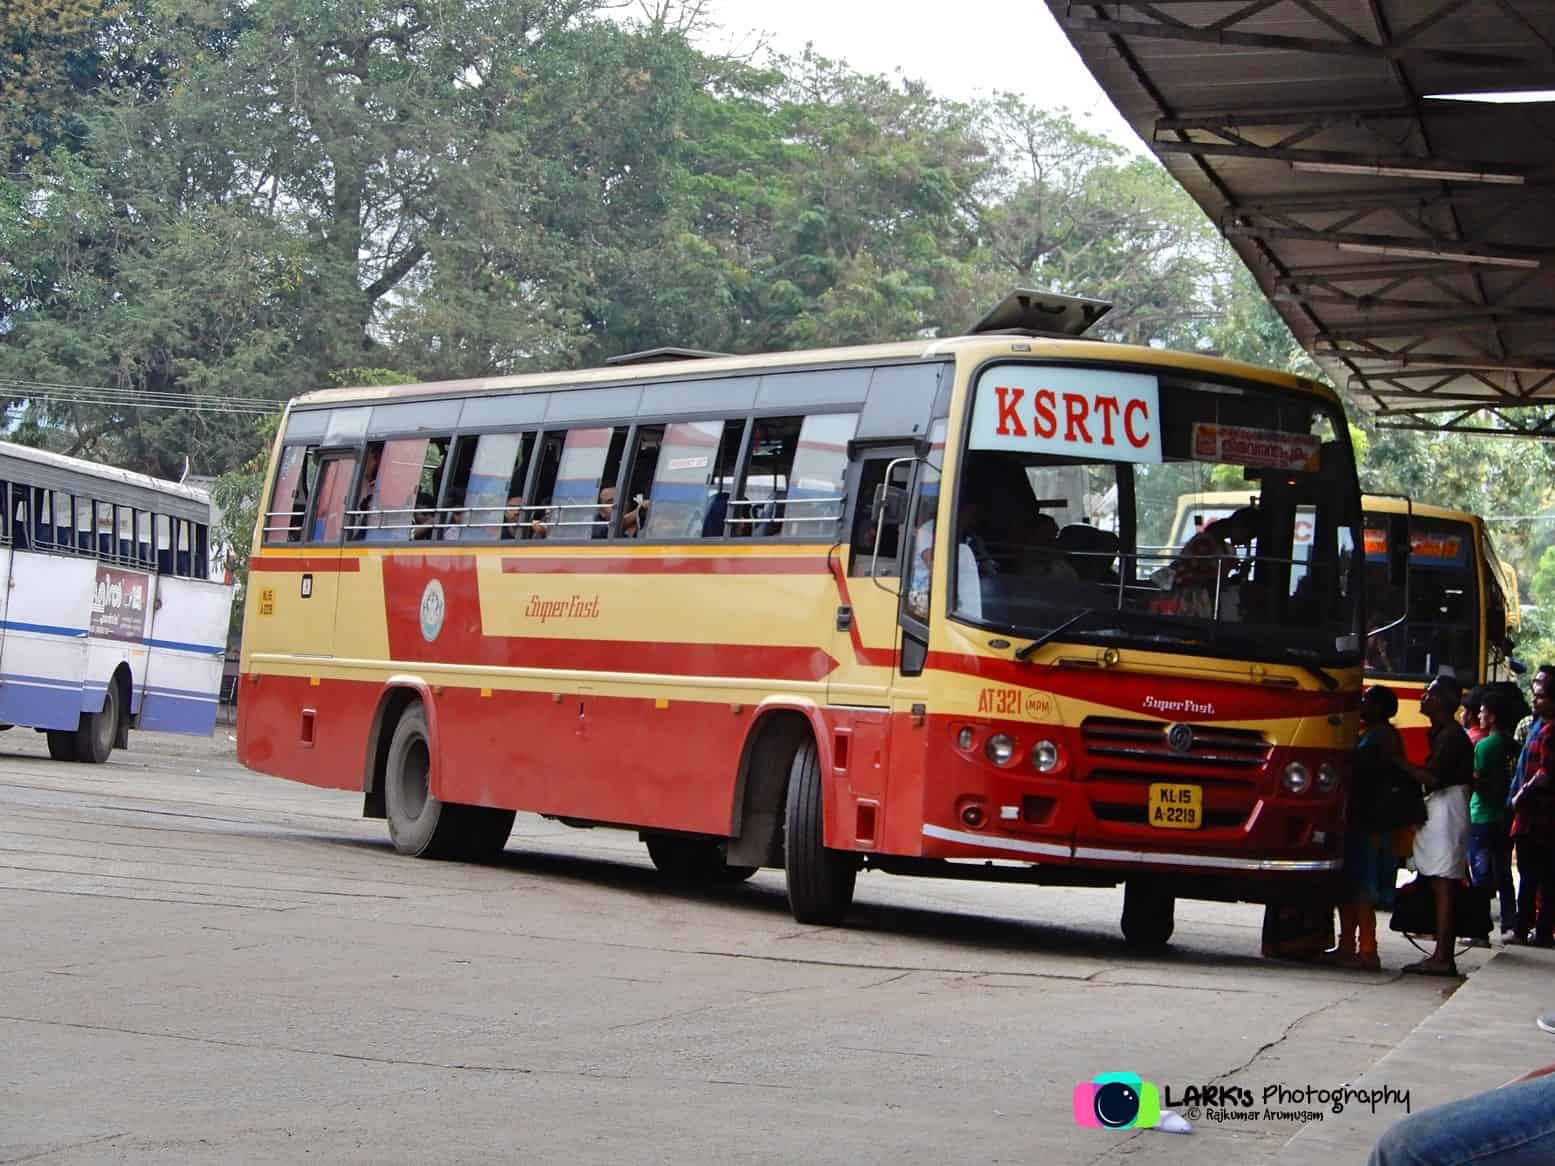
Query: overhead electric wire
{"points": [[98, 395]]}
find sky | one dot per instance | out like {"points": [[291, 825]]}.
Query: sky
{"points": [[977, 50]]}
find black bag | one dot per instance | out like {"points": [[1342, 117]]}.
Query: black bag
{"points": [[1414, 910], [1400, 800]]}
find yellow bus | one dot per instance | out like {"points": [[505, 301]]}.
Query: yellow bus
{"points": [[900, 608], [1455, 611]]}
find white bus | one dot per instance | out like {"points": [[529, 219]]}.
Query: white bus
{"points": [[109, 619]]}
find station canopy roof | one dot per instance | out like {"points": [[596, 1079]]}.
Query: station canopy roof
{"points": [[1407, 239]]}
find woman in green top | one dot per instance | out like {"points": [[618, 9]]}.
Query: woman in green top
{"points": [[1490, 845]]}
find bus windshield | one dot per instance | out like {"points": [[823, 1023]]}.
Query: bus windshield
{"points": [[1070, 483], [1442, 625]]}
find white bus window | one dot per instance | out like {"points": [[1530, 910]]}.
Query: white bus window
{"points": [[126, 523], [488, 478], [794, 477], [84, 525], [181, 562], [104, 517], [21, 525], [164, 528], [583, 494], [43, 533], [143, 538], [689, 497], [64, 524], [386, 495], [329, 510], [289, 500]]}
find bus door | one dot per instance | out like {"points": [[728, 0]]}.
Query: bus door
{"points": [[187, 639], [318, 587], [867, 634], [48, 607]]}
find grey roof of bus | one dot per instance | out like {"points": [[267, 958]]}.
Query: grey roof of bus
{"points": [[60, 461], [974, 347]]}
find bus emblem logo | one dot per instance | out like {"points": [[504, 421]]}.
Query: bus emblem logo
{"points": [[433, 608], [1179, 738]]}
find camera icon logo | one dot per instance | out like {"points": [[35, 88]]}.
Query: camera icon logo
{"points": [[1117, 1101]]}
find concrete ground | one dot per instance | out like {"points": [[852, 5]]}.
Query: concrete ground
{"points": [[204, 965]]}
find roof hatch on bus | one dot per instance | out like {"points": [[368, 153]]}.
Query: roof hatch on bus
{"points": [[1029, 312]]}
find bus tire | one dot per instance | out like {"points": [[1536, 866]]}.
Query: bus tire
{"points": [[98, 732], [1149, 914], [422, 825], [62, 744], [820, 881], [694, 860]]}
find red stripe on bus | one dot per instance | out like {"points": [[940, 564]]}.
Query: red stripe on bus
{"points": [[1160, 697], [321, 564], [667, 564]]}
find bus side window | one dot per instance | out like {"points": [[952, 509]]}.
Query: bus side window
{"points": [[294, 479], [64, 522], [794, 477], [694, 480], [143, 538], [164, 527], [329, 508], [865, 521], [386, 498], [43, 521], [84, 535], [202, 567], [488, 471], [21, 524], [589, 463], [104, 518], [181, 564], [126, 520]]}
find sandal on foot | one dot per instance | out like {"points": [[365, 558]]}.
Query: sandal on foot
{"points": [[1427, 968]]}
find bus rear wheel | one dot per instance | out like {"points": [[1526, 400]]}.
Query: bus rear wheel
{"points": [[820, 880], [694, 860], [421, 824], [62, 744], [1149, 913], [97, 731]]}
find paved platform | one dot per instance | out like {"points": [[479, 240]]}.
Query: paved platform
{"points": [[1481, 1037]]}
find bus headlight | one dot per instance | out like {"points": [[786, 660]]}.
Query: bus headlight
{"points": [[1297, 780], [1000, 748], [1327, 778], [1045, 756], [964, 738]]}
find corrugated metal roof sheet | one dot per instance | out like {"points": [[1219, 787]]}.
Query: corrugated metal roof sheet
{"points": [[1408, 242]]}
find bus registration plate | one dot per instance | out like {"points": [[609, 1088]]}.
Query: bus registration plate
{"points": [[1176, 807]]}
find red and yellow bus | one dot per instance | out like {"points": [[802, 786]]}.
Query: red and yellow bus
{"points": [[898, 608], [1453, 609], [1455, 612]]}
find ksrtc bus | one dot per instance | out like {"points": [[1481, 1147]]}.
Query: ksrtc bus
{"points": [[108, 620], [899, 607], [1454, 610]]}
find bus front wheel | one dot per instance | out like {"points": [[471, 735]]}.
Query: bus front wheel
{"points": [[97, 731], [421, 824], [820, 881], [1149, 913], [62, 744]]}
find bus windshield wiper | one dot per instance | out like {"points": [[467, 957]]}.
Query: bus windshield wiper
{"points": [[1049, 636], [1323, 678]]}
